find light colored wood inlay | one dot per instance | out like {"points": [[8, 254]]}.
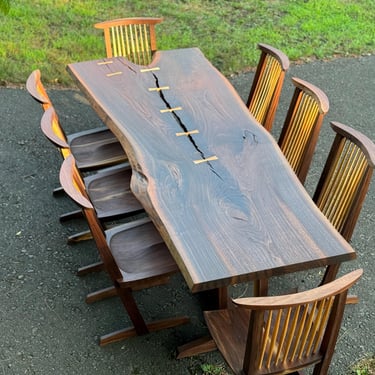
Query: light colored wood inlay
{"points": [[105, 62], [211, 158], [113, 74], [158, 88], [196, 131], [149, 69], [170, 109]]}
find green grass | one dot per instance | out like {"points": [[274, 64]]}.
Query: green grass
{"points": [[49, 34], [365, 366]]}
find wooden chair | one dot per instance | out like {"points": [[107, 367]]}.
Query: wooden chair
{"points": [[133, 38], [344, 181], [282, 334], [109, 192], [304, 119], [102, 187], [267, 84], [134, 255], [93, 149]]}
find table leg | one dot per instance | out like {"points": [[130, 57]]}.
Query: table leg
{"points": [[330, 274], [195, 347], [260, 287], [205, 344], [223, 298]]}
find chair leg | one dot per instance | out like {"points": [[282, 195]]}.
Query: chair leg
{"points": [[58, 191], [139, 325], [93, 267], [151, 327], [82, 236], [260, 287], [101, 294], [77, 214], [352, 299], [195, 347], [111, 291], [330, 273]]}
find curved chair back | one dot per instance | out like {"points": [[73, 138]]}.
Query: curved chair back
{"points": [[133, 38], [302, 125], [36, 89], [52, 129], [74, 187], [267, 84], [282, 334], [345, 179]]}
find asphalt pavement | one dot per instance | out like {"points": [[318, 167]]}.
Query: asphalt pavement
{"points": [[45, 325]]}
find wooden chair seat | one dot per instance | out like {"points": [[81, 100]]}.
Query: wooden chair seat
{"points": [[93, 149], [139, 252], [96, 148], [110, 194], [229, 330], [282, 334]]}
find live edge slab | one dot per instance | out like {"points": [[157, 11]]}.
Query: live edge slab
{"points": [[213, 180]]}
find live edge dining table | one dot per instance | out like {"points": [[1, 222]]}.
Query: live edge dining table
{"points": [[212, 179]]}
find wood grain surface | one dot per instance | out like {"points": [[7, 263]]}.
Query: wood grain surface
{"points": [[241, 215]]}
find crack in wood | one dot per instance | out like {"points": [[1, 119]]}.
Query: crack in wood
{"points": [[183, 126]]}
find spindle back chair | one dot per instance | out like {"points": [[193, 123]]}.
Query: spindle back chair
{"points": [[133, 38], [267, 84], [282, 334], [302, 125]]}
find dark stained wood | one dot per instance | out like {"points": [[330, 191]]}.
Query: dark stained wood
{"points": [[244, 216], [93, 149], [109, 191], [109, 188], [282, 334], [133, 255]]}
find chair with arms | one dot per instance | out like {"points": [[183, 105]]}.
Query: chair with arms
{"points": [[345, 180], [134, 256], [301, 128], [282, 334], [267, 84], [133, 38]]}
